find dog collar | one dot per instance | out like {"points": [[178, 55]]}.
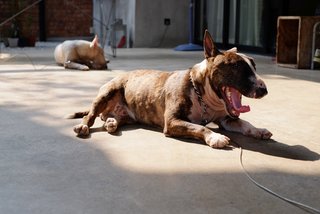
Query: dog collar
{"points": [[203, 105]]}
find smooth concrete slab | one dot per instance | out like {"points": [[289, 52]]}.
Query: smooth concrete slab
{"points": [[45, 168]]}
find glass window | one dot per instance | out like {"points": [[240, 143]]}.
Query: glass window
{"points": [[232, 21], [214, 11], [250, 23]]}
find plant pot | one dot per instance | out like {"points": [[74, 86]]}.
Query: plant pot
{"points": [[13, 42]]}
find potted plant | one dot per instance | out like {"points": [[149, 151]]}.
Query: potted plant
{"points": [[14, 34], [21, 32]]}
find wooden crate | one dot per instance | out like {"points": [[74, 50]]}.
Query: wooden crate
{"points": [[294, 40]]}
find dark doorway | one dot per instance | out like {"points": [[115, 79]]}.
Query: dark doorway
{"points": [[250, 25]]}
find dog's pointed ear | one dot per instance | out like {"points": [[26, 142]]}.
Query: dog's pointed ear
{"points": [[234, 50], [95, 42], [210, 49]]}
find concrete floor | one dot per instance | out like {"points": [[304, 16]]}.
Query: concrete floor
{"points": [[45, 168]]}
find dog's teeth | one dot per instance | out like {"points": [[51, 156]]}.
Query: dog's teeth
{"points": [[228, 92]]}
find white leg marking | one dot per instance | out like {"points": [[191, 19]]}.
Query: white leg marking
{"points": [[111, 125], [216, 140]]}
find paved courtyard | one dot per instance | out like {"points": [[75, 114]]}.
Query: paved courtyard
{"points": [[45, 168]]}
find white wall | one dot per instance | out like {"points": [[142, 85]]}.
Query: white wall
{"points": [[145, 20], [150, 30]]}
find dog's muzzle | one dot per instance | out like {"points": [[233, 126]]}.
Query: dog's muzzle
{"points": [[232, 98], [259, 90]]}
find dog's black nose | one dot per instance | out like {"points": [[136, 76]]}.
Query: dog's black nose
{"points": [[260, 89], [260, 92]]}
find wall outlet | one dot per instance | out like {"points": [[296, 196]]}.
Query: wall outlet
{"points": [[91, 30], [167, 21]]}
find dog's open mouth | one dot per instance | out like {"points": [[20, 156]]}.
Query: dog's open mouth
{"points": [[232, 99]]}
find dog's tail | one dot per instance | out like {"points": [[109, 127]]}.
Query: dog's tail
{"points": [[75, 115]]}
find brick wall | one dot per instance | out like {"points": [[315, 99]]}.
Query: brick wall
{"points": [[68, 18], [5, 8], [64, 18], [27, 22]]}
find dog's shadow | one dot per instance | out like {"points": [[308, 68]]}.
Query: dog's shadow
{"points": [[268, 147], [271, 147]]}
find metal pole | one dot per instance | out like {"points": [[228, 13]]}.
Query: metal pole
{"points": [[191, 21]]}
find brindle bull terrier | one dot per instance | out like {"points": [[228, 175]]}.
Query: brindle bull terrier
{"points": [[81, 55], [182, 102]]}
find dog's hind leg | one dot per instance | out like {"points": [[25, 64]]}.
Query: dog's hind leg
{"points": [[87, 121], [119, 116], [111, 125], [73, 65], [99, 105]]}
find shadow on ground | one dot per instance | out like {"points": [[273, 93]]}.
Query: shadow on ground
{"points": [[43, 170], [268, 147]]}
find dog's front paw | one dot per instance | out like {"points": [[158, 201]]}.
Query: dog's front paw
{"points": [[84, 68], [259, 133], [81, 129], [265, 134], [111, 125], [215, 140]]}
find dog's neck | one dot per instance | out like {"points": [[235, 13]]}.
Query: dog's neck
{"points": [[207, 97], [203, 105]]}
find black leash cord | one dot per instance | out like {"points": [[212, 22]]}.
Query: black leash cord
{"points": [[302, 206]]}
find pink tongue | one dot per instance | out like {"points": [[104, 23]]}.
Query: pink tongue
{"points": [[236, 101], [244, 109]]}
